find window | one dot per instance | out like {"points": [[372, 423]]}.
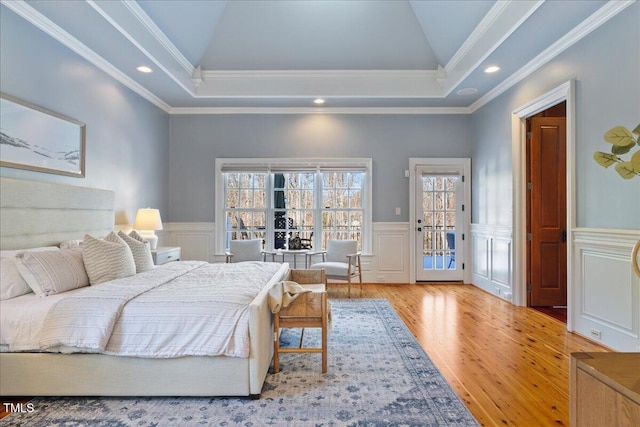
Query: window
{"points": [[277, 199]]}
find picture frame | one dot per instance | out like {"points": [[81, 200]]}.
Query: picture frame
{"points": [[37, 139]]}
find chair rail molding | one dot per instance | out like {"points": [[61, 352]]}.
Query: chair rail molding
{"points": [[606, 295], [492, 254]]}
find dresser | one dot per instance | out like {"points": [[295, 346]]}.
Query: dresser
{"points": [[605, 389], [163, 255]]}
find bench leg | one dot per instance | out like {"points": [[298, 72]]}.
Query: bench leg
{"points": [[276, 344], [324, 332]]}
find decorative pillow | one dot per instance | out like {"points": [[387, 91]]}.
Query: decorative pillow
{"points": [[11, 282], [107, 259], [52, 272], [140, 250]]}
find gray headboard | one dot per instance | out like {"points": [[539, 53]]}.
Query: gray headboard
{"points": [[36, 214]]}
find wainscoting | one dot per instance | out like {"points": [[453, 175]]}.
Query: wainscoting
{"points": [[389, 262], [606, 296], [492, 259]]}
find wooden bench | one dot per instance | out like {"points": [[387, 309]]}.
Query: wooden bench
{"points": [[309, 310]]}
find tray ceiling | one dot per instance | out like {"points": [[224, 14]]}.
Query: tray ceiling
{"points": [[268, 56]]}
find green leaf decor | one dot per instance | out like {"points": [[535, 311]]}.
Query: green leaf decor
{"points": [[619, 135], [623, 141], [604, 159], [635, 161], [625, 170]]}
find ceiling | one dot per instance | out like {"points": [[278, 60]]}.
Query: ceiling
{"points": [[271, 56]]}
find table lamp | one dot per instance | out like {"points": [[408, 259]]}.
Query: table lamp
{"points": [[147, 221]]}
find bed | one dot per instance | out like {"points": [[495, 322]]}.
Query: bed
{"points": [[35, 214]]}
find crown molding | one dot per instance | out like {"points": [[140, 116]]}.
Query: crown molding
{"points": [[314, 83], [489, 19], [127, 18], [40, 21], [599, 17], [310, 110], [317, 74], [499, 23], [157, 33], [335, 83]]}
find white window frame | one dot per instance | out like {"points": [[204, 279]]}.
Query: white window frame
{"points": [[277, 164]]}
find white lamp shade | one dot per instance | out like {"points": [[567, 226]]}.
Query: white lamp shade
{"points": [[148, 219]]}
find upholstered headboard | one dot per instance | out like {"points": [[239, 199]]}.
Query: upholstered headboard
{"points": [[36, 214]]}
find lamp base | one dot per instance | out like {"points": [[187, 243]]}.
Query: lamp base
{"points": [[149, 236]]}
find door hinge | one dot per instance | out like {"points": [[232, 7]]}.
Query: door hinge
{"points": [[529, 186], [528, 135], [463, 265], [529, 237], [462, 208], [462, 178], [529, 287], [462, 236]]}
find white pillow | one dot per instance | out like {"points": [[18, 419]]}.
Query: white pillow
{"points": [[107, 259], [140, 249], [12, 283], [52, 272]]}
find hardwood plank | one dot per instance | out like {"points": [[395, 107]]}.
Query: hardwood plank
{"points": [[509, 365]]}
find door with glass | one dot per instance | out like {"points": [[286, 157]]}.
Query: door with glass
{"points": [[439, 226]]}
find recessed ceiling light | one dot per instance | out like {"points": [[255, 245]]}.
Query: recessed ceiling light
{"points": [[491, 69], [467, 91], [318, 101], [144, 69]]}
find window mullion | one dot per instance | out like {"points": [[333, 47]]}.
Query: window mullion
{"points": [[317, 205], [270, 217]]}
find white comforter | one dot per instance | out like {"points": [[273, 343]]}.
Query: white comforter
{"points": [[177, 309]]}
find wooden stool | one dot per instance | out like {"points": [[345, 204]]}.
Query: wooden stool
{"points": [[309, 310]]}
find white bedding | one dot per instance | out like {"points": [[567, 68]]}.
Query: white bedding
{"points": [[177, 309]]}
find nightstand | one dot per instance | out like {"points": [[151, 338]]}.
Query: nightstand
{"points": [[163, 255]]}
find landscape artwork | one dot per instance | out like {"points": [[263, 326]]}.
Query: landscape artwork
{"points": [[37, 139]]}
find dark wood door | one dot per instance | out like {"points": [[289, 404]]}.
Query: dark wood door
{"points": [[548, 212]]}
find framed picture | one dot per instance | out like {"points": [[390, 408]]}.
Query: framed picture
{"points": [[38, 139]]}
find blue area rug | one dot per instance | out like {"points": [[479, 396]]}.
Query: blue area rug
{"points": [[378, 376]]}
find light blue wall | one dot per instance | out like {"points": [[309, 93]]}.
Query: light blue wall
{"points": [[127, 137], [196, 140], [606, 68]]}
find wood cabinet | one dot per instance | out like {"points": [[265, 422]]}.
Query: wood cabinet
{"points": [[605, 389]]}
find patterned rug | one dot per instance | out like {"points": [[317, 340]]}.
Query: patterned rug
{"points": [[378, 376]]}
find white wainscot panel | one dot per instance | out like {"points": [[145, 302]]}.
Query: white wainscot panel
{"points": [[607, 295], [195, 238], [491, 259], [391, 253], [481, 256], [501, 262], [608, 292], [390, 263]]}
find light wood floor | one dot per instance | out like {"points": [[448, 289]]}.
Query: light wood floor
{"points": [[510, 365]]}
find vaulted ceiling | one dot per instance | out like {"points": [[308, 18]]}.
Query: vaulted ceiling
{"points": [[279, 55]]}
